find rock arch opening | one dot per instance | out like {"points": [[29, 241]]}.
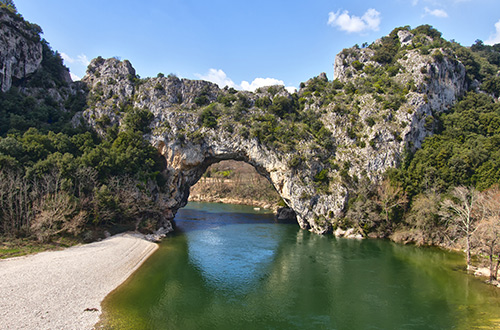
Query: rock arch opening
{"points": [[253, 179], [235, 182], [187, 160]]}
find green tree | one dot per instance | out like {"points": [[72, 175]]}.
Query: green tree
{"points": [[9, 4]]}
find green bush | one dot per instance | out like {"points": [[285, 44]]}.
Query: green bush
{"points": [[281, 106], [201, 100], [263, 102], [208, 118], [295, 161], [370, 121], [357, 65], [138, 120]]}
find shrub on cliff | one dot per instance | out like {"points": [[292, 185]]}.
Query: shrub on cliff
{"points": [[138, 120], [9, 4], [208, 117]]}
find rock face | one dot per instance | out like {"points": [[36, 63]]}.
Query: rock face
{"points": [[187, 161], [20, 49], [189, 149], [432, 83], [366, 133], [286, 214]]}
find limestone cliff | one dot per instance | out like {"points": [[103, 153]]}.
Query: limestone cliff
{"points": [[314, 146], [20, 48], [28, 62], [398, 111]]}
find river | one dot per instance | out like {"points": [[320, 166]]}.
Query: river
{"points": [[231, 267]]}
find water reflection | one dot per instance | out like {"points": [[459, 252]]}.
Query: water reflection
{"points": [[225, 273], [233, 260]]}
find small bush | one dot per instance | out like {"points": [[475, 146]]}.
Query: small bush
{"points": [[208, 118], [201, 100], [357, 65], [370, 121], [295, 161]]}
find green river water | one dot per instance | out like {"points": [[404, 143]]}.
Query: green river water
{"points": [[231, 267]]}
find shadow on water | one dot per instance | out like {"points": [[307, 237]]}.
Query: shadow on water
{"points": [[202, 216], [243, 271]]}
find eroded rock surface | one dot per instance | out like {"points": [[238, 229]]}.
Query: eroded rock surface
{"points": [[20, 49], [303, 173]]}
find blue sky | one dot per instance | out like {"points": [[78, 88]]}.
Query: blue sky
{"points": [[243, 44]]}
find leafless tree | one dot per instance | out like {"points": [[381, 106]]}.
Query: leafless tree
{"points": [[459, 211], [389, 196], [424, 216], [56, 213], [487, 236], [15, 202]]}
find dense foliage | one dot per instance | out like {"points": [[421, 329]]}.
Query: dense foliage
{"points": [[465, 152], [59, 177], [9, 4], [276, 119]]}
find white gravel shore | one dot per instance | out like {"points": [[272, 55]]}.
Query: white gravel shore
{"points": [[64, 289]]}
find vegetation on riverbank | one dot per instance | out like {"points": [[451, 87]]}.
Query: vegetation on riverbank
{"points": [[16, 247], [446, 193], [57, 176]]}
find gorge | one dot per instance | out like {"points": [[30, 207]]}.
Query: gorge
{"points": [[319, 147], [194, 124], [400, 141]]}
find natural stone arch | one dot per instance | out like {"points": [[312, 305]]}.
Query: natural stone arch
{"points": [[189, 146], [187, 164], [187, 161], [316, 168]]}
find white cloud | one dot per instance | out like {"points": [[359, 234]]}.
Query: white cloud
{"points": [[495, 37], [80, 59], [78, 64], [414, 2], [74, 77], [436, 12], [260, 82], [220, 78], [263, 82], [345, 22], [67, 58]]}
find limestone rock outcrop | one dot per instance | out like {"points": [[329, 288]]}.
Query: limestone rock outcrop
{"points": [[432, 83], [20, 49], [359, 135]]}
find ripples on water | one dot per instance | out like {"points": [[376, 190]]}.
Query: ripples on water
{"points": [[229, 267]]}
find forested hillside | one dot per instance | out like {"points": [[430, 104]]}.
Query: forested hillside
{"points": [[59, 177]]}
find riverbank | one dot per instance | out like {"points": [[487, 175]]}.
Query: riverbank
{"points": [[64, 289], [232, 182], [234, 200]]}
